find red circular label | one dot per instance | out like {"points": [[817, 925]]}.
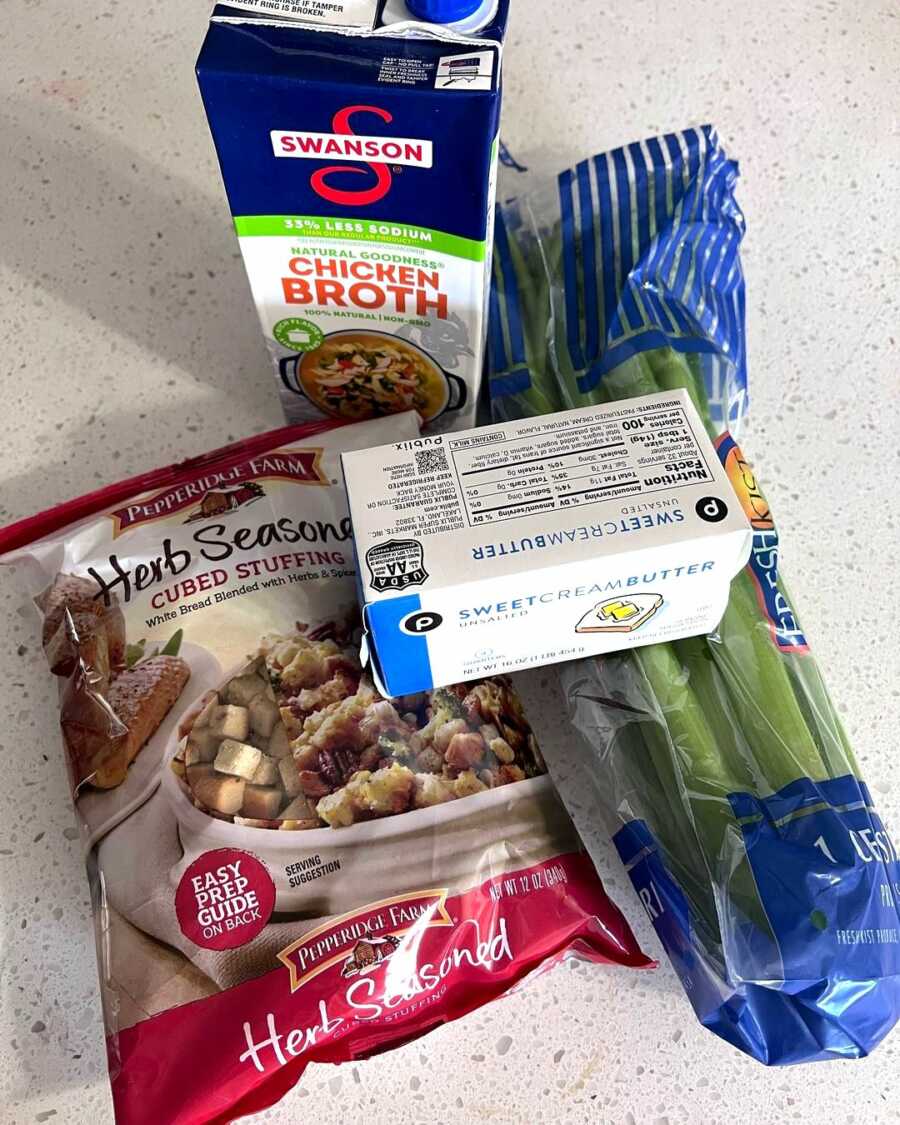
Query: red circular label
{"points": [[224, 899]]}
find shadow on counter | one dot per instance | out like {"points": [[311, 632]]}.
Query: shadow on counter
{"points": [[68, 468], [143, 251]]}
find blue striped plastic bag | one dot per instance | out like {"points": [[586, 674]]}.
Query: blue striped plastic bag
{"points": [[632, 250], [729, 786]]}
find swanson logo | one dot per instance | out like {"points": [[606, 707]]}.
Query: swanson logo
{"points": [[219, 491], [374, 151]]}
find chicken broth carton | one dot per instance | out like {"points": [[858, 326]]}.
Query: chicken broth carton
{"points": [[358, 147]]}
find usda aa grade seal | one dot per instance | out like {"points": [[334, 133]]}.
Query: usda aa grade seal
{"points": [[396, 565]]}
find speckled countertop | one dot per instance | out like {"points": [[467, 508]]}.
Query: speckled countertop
{"points": [[128, 340]]}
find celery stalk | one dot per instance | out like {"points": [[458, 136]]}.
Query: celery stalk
{"points": [[821, 717], [707, 775], [761, 692], [631, 379], [711, 690], [533, 296], [672, 373], [639, 750], [661, 808]]}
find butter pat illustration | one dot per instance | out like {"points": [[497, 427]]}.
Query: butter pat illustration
{"points": [[548, 539], [618, 615]]}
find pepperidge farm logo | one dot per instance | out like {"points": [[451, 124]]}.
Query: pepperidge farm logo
{"points": [[378, 153], [224, 490]]}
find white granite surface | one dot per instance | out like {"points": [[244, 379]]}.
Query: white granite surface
{"points": [[127, 340]]}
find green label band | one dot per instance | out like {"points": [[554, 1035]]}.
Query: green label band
{"points": [[359, 230]]}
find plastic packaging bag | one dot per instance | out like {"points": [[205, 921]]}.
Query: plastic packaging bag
{"points": [[733, 795], [285, 867]]}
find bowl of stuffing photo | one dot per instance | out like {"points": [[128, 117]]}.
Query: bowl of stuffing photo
{"points": [[349, 797]]}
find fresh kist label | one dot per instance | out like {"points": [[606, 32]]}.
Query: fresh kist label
{"points": [[785, 627]]}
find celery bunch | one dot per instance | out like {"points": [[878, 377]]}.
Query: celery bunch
{"points": [[732, 790], [698, 719]]}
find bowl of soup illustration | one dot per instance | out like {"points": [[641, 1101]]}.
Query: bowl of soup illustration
{"points": [[355, 375]]}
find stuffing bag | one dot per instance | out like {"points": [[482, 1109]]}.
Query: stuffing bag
{"points": [[285, 866]]}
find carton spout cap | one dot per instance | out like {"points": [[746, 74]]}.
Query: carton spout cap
{"points": [[443, 11]]}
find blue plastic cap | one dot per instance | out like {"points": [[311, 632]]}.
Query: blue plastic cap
{"points": [[443, 11]]}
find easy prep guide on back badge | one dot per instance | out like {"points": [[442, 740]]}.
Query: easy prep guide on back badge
{"points": [[528, 543]]}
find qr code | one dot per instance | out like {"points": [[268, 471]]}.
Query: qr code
{"points": [[431, 461]]}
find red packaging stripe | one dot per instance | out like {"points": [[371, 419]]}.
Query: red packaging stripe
{"points": [[239, 1051], [35, 527]]}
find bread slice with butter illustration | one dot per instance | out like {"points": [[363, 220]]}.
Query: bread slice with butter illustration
{"points": [[622, 614]]}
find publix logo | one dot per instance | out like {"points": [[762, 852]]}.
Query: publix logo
{"points": [[376, 152]]}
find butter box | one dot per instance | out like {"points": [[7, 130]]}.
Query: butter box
{"points": [[548, 539]]}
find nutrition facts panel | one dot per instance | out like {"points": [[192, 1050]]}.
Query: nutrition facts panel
{"points": [[617, 455]]}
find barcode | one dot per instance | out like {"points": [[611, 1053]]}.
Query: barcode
{"points": [[431, 461]]}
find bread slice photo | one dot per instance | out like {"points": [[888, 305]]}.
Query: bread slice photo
{"points": [[622, 614], [105, 730]]}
